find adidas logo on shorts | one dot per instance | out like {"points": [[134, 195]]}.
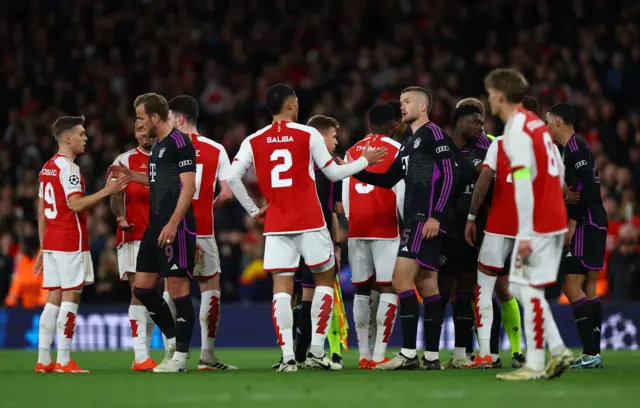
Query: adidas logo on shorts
{"points": [[405, 249], [174, 267], [569, 254]]}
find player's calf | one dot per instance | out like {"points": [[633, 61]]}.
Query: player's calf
{"points": [[47, 330], [427, 285]]}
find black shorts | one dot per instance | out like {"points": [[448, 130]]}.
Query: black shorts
{"points": [[458, 257], [304, 276], [586, 252], [425, 251], [175, 260]]}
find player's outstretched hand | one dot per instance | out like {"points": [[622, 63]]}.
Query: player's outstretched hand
{"points": [[374, 156], [524, 249], [123, 224], [167, 235], [431, 228], [37, 268], [470, 232], [340, 161], [120, 170], [572, 196], [116, 185], [261, 214]]}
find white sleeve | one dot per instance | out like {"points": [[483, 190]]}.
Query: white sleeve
{"points": [[345, 191], [519, 149], [70, 179], [122, 158], [491, 159], [224, 167], [241, 163], [40, 192], [319, 151], [399, 190]]}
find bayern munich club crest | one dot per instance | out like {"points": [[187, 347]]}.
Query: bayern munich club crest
{"points": [[416, 143], [161, 152], [74, 180]]}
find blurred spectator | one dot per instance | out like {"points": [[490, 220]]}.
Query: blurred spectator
{"points": [[624, 266], [26, 288]]}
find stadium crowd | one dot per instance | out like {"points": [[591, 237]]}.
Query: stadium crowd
{"points": [[93, 58]]}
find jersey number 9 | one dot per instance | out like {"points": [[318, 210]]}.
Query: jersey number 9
{"points": [[50, 200]]}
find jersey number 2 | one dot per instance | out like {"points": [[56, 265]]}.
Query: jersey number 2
{"points": [[276, 180], [50, 200]]}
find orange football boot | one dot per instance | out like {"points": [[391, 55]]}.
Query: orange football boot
{"points": [[373, 364], [480, 362], [146, 365], [365, 364], [41, 368], [71, 367]]}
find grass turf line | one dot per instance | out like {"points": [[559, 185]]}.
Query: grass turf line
{"points": [[112, 384]]}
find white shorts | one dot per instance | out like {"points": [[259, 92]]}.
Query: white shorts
{"points": [[541, 269], [67, 270], [127, 256], [495, 250], [367, 255], [209, 264], [282, 252]]}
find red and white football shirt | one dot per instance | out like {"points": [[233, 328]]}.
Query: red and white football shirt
{"points": [[136, 196], [283, 155], [503, 217], [212, 163], [65, 230], [373, 211], [528, 144]]}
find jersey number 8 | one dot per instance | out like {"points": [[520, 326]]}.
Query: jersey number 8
{"points": [[552, 162], [50, 200], [276, 180]]}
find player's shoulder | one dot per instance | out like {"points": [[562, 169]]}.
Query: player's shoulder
{"points": [[256, 134], [179, 139], [302, 128], [391, 142], [64, 163], [211, 144], [483, 142], [433, 131]]}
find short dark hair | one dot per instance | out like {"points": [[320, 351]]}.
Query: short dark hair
{"points": [[397, 110], [422, 90], [322, 123], [464, 110], [473, 102], [532, 104], [65, 123], [381, 114], [153, 104], [510, 82], [277, 96], [565, 112], [186, 106]]}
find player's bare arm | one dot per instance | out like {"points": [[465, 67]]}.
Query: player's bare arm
{"points": [[479, 193], [224, 196], [78, 204], [137, 177], [37, 268], [116, 203], [168, 233]]}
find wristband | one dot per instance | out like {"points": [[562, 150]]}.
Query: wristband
{"points": [[471, 217]]}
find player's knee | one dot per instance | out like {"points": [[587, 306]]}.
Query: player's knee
{"points": [[363, 288], [307, 294], [55, 297], [324, 278], [72, 295], [502, 289], [178, 286], [401, 283], [383, 288], [209, 283]]}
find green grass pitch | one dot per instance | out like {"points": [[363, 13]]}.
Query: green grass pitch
{"points": [[112, 384]]}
